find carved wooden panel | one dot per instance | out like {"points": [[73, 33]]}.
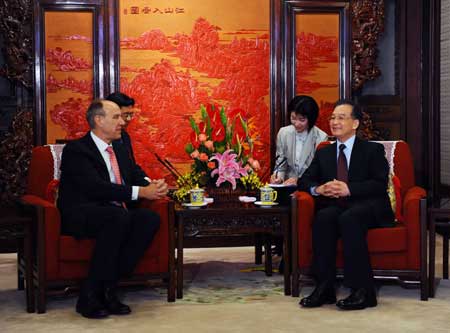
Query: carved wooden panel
{"points": [[367, 26], [15, 149], [16, 26]]}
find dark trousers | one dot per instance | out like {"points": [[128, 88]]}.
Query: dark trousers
{"points": [[350, 224], [122, 236]]}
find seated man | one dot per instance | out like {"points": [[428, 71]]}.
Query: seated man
{"points": [[349, 179], [98, 181]]}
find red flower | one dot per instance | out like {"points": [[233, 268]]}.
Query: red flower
{"points": [[203, 157], [202, 127], [218, 133], [213, 113], [194, 140], [239, 132]]}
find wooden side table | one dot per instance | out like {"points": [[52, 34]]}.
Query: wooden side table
{"points": [[438, 219], [17, 227], [223, 220]]}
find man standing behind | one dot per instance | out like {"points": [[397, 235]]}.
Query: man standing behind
{"points": [[349, 179], [126, 105], [98, 181]]}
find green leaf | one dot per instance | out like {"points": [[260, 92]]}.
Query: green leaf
{"points": [[223, 117], [220, 147], [189, 148], [244, 125], [194, 125], [204, 113]]}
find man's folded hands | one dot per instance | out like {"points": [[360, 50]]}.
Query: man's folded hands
{"points": [[333, 189], [157, 189]]}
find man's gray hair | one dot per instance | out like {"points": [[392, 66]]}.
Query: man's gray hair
{"points": [[95, 109]]}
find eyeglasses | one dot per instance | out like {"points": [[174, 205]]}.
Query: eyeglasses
{"points": [[339, 118], [126, 115]]}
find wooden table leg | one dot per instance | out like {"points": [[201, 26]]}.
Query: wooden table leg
{"points": [[432, 257], [180, 236], [171, 290], [424, 282], [28, 262], [287, 255], [268, 254], [445, 257], [258, 248]]}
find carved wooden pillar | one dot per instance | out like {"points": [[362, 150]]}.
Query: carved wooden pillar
{"points": [[367, 26], [15, 145]]}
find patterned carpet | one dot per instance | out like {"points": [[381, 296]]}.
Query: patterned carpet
{"points": [[224, 282]]}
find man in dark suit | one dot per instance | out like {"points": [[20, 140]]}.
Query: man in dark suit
{"points": [[349, 179], [99, 181]]}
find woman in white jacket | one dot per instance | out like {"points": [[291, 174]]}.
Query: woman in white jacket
{"points": [[296, 143]]}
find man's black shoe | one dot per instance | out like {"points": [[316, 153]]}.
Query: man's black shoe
{"points": [[359, 299], [323, 294], [90, 306], [113, 303]]}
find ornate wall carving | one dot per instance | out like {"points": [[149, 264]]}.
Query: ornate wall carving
{"points": [[15, 149], [367, 26], [16, 24]]}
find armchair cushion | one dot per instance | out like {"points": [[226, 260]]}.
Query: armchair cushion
{"points": [[395, 197]]}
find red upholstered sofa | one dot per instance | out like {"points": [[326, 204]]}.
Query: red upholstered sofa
{"points": [[397, 252], [62, 261]]}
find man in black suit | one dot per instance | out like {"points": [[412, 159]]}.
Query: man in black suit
{"points": [[98, 183], [349, 179]]}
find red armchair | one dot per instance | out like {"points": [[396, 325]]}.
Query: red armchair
{"points": [[397, 252], [61, 261]]}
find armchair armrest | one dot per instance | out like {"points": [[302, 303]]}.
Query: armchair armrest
{"points": [[302, 226], [47, 229], [165, 238], [411, 213]]}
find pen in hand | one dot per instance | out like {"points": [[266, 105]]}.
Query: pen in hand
{"points": [[277, 167]]}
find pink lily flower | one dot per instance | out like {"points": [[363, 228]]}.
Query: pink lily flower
{"points": [[228, 168]]}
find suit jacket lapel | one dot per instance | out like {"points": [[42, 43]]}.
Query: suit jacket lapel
{"points": [[95, 153], [332, 160], [355, 158]]}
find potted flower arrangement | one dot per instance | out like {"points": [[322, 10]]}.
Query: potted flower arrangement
{"points": [[221, 149]]}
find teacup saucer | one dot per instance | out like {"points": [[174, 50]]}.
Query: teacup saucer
{"points": [[265, 203], [246, 199], [194, 205]]}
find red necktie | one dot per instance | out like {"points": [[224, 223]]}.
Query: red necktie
{"points": [[115, 169], [342, 168]]}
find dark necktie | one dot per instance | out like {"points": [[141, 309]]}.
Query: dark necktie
{"points": [[342, 168]]}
